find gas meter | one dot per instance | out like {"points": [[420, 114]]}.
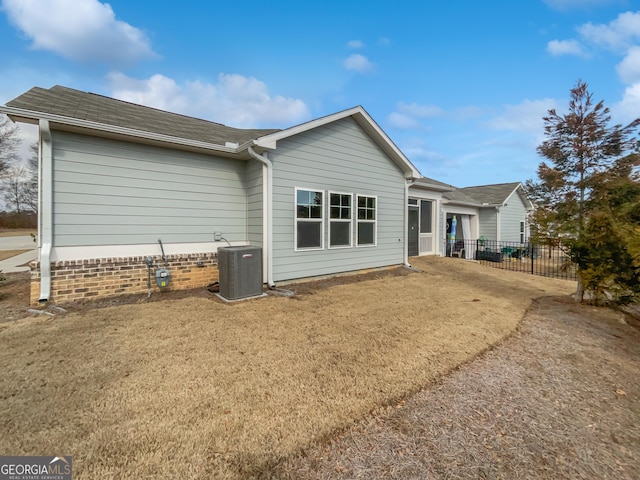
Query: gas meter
{"points": [[162, 277]]}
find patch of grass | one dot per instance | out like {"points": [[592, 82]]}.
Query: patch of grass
{"points": [[195, 388]]}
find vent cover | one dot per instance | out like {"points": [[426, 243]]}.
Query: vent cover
{"points": [[240, 270]]}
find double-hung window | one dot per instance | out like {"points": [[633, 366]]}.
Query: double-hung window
{"points": [[366, 221], [309, 219], [340, 220]]}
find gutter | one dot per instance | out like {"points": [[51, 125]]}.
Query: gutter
{"points": [[267, 226], [25, 115], [46, 208]]}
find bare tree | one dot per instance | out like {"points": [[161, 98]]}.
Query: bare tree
{"points": [[9, 143], [13, 181], [30, 185]]}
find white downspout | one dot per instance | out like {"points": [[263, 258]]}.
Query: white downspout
{"points": [[46, 210], [268, 227]]}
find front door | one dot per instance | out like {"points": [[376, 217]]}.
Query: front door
{"points": [[413, 234]]}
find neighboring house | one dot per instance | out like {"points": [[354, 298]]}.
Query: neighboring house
{"points": [[494, 212], [504, 211], [320, 198]]}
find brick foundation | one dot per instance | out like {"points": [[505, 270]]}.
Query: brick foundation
{"points": [[109, 277]]}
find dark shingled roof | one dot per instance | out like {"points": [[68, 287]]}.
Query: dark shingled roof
{"points": [[491, 194], [68, 102], [428, 182], [458, 196]]}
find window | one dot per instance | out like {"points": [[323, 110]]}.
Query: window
{"points": [[426, 216], [340, 223], [309, 215], [366, 230], [521, 232]]}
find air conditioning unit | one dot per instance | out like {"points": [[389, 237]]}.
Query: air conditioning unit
{"points": [[240, 270]]}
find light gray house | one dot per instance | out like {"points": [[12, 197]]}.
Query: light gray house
{"points": [[493, 212], [504, 210], [320, 198]]}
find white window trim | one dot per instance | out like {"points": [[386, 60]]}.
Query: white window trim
{"points": [[375, 222], [296, 220], [330, 220]]}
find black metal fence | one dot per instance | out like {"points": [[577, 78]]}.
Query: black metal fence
{"points": [[548, 259]]}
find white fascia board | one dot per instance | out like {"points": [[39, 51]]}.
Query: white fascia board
{"points": [[431, 187], [363, 119], [460, 210], [463, 204], [519, 190], [270, 140], [29, 116]]}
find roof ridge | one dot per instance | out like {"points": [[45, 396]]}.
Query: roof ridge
{"points": [[492, 185]]}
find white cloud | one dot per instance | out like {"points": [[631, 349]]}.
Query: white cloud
{"points": [[234, 100], [524, 117], [565, 47], [358, 63], [468, 113], [404, 122], [81, 30], [629, 68], [355, 44], [420, 111], [408, 115], [628, 109], [618, 34]]}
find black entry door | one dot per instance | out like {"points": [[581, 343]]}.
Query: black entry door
{"points": [[413, 234]]}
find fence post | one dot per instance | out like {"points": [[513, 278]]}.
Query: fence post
{"points": [[533, 249]]}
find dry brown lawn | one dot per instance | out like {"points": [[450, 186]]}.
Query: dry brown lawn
{"points": [[197, 388], [16, 232]]}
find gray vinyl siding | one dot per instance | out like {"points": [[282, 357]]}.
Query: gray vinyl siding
{"points": [[109, 192], [510, 217], [442, 232], [488, 223], [338, 157], [254, 203]]}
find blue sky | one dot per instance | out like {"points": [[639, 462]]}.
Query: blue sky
{"points": [[460, 86]]}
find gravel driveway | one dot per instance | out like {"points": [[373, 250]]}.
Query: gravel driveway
{"points": [[559, 399]]}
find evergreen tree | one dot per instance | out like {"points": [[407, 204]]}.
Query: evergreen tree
{"points": [[588, 161]]}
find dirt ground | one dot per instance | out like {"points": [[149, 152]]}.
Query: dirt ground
{"points": [[193, 387]]}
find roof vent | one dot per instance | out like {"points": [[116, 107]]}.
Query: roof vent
{"points": [[231, 144]]}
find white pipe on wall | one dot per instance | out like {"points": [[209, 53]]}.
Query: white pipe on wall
{"points": [[268, 227], [46, 209]]}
